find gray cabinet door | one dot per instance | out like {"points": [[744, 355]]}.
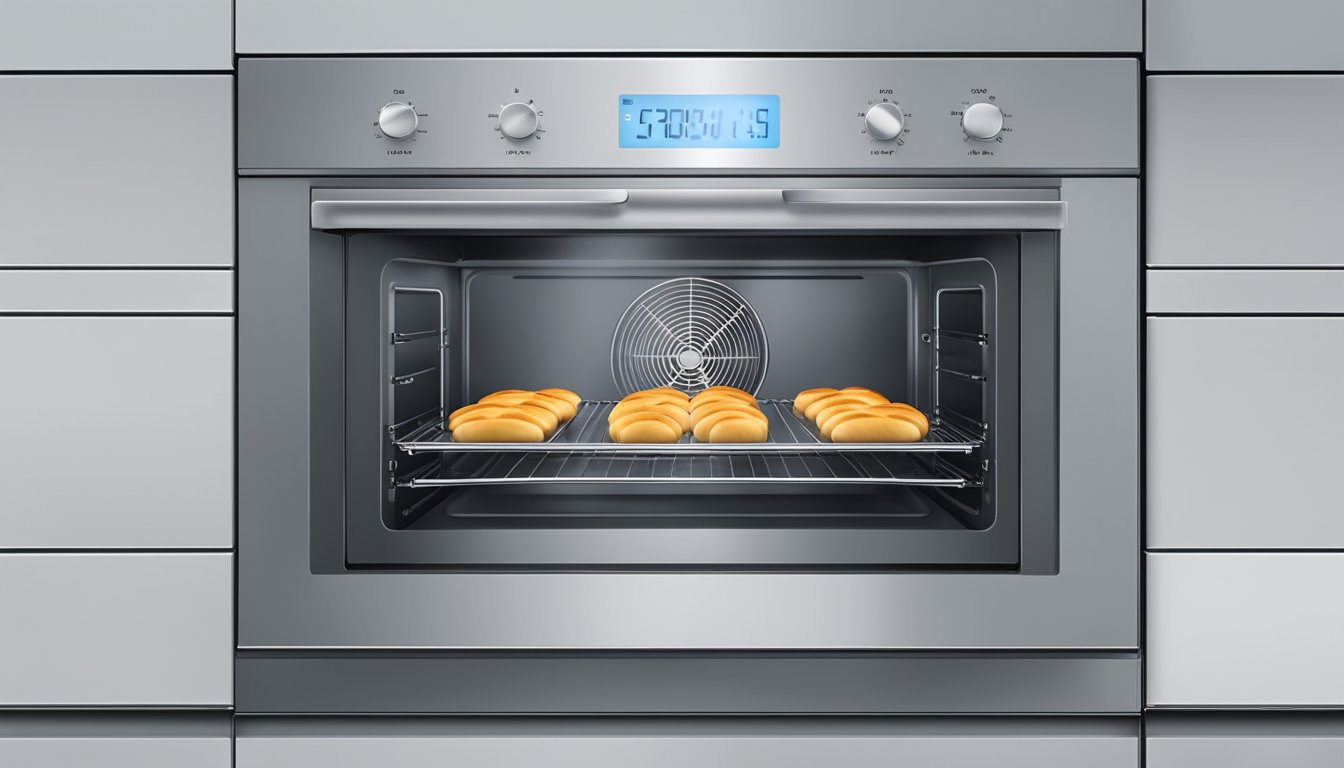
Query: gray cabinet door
{"points": [[1234, 751], [1243, 432], [1245, 35], [794, 744], [116, 740], [1242, 172], [128, 170], [47, 35], [529, 26], [117, 432], [1244, 630], [116, 630]]}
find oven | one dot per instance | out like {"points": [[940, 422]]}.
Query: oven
{"points": [[956, 234]]}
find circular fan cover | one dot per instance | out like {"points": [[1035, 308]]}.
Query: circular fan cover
{"points": [[689, 333]]}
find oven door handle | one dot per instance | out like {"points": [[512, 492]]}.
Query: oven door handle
{"points": [[425, 209], [938, 209]]}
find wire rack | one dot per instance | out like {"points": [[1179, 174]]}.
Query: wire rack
{"points": [[587, 432], [689, 333]]}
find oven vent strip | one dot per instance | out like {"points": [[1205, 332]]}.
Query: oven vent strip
{"points": [[593, 468], [789, 434]]}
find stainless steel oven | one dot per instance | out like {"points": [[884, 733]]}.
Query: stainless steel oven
{"points": [[958, 234]]}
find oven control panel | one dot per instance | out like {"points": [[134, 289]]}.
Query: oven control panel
{"points": [[691, 115]]}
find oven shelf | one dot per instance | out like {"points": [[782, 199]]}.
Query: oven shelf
{"points": [[789, 434]]}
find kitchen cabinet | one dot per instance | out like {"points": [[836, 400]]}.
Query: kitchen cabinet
{"points": [[118, 431], [116, 740], [1236, 629], [131, 171], [1245, 35], [1245, 740], [1263, 193], [409, 27], [1242, 448], [143, 630], [91, 35], [594, 743]]}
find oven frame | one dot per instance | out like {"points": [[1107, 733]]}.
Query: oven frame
{"points": [[292, 595]]}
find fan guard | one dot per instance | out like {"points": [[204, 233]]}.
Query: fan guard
{"points": [[689, 333]]}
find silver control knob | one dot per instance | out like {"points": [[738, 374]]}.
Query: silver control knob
{"points": [[884, 121], [982, 121], [518, 120], [397, 120]]}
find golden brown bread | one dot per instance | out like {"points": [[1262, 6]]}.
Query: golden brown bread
{"points": [[616, 425], [672, 391], [875, 429], [654, 397], [727, 405], [866, 398], [737, 429], [907, 412], [703, 428], [646, 428], [567, 395], [539, 416], [705, 398], [501, 430], [671, 410], [826, 414], [809, 396]]}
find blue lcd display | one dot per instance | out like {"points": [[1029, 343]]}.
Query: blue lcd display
{"points": [[660, 121]]}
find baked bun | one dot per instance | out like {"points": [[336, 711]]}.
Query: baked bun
{"points": [[539, 416], [907, 412], [568, 408], [736, 429], [726, 388], [456, 416], [564, 394], [836, 419], [672, 410], [508, 392], [705, 425], [617, 425], [646, 428], [671, 391], [875, 429], [508, 397], [809, 396], [654, 397], [866, 398], [829, 412], [716, 396], [501, 430], [727, 405]]}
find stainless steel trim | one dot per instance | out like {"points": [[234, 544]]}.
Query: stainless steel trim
{"points": [[485, 208], [1246, 291], [116, 291]]}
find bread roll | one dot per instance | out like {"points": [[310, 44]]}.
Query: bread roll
{"points": [[498, 431], [508, 397], [650, 398], [647, 430], [825, 414], [866, 398], [907, 412], [543, 418], [809, 396], [616, 425], [727, 405], [875, 429], [836, 419], [672, 410], [539, 416], [726, 388], [672, 391], [508, 392], [564, 394], [568, 408], [703, 427], [735, 429], [705, 398], [455, 416]]}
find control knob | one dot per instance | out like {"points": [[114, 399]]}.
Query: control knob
{"points": [[518, 120], [884, 121], [397, 120], [982, 121]]}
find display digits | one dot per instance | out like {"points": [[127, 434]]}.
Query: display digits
{"points": [[712, 121]]}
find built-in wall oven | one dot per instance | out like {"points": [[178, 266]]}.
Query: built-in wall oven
{"points": [[957, 234]]}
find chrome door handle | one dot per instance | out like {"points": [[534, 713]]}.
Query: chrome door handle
{"points": [[419, 208]]}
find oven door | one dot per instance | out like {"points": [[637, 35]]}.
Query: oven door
{"points": [[1064, 577]]}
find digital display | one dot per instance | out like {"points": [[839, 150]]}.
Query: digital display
{"points": [[661, 121]]}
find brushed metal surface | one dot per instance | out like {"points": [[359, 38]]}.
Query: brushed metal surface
{"points": [[1245, 291], [1244, 35], [1264, 193], [318, 115], [116, 630], [118, 432], [1244, 630], [1236, 751], [116, 291], [1216, 479], [405, 26], [129, 171], [141, 752], [49, 35], [1091, 603], [743, 746]]}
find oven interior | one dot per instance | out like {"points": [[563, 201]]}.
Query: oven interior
{"points": [[436, 321]]}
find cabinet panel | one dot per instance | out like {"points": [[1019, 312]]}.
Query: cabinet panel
{"points": [[98, 35], [1263, 196], [1244, 630], [1245, 35], [135, 170], [1242, 432], [116, 630], [118, 432]]}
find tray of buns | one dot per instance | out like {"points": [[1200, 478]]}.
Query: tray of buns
{"points": [[667, 422]]}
